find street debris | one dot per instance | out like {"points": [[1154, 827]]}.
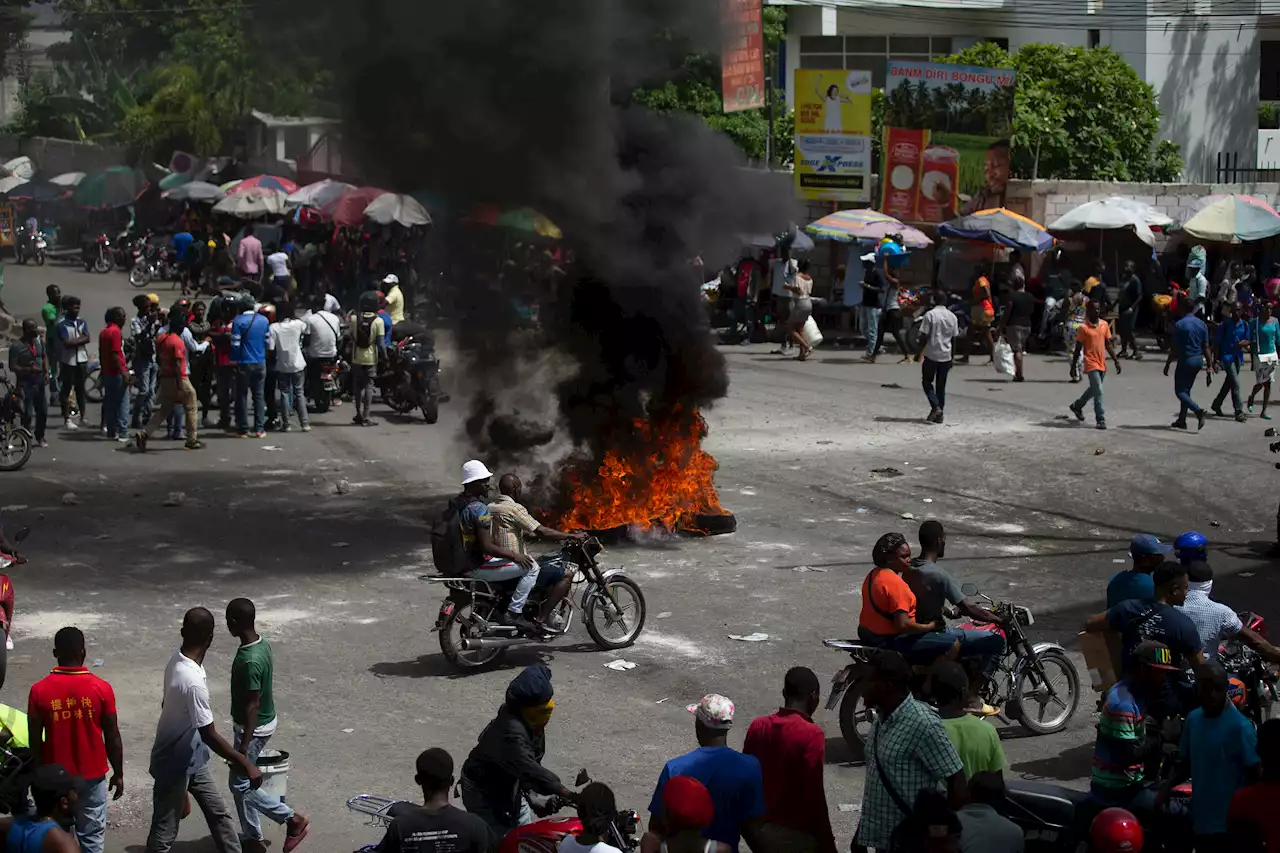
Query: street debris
{"points": [[850, 807], [1246, 574], [887, 472], [1099, 451], [756, 637], [808, 569], [347, 731], [342, 487], [70, 499], [176, 499], [663, 699], [620, 665], [99, 662], [826, 442], [342, 544], [908, 515], [666, 614], [890, 385], [1214, 524], [271, 447], [928, 500], [862, 510]]}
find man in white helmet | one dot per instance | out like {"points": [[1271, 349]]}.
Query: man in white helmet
{"points": [[395, 299], [492, 563]]}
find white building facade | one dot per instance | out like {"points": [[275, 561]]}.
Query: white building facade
{"points": [[1210, 61]]}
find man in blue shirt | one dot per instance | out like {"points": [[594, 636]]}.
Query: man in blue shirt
{"points": [[1191, 350], [1231, 333], [734, 780], [1219, 750], [1147, 552], [249, 352]]}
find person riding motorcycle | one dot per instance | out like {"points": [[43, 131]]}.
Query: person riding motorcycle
{"points": [[1191, 547], [1216, 622], [512, 523], [503, 780]]}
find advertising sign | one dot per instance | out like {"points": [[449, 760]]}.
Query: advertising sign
{"points": [[833, 134], [946, 139], [742, 54]]}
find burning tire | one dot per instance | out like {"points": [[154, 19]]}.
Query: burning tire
{"points": [[628, 615], [708, 524]]}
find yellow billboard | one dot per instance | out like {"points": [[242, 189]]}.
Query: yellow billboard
{"points": [[833, 134]]}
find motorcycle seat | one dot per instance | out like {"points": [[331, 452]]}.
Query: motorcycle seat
{"points": [[1050, 804]]}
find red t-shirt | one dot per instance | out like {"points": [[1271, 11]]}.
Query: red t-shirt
{"points": [[70, 701], [111, 350], [1256, 804], [791, 748], [171, 353]]}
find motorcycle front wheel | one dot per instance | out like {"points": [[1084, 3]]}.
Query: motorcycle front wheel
{"points": [[102, 265], [138, 276], [453, 632], [615, 627], [431, 410], [1033, 705], [15, 448]]}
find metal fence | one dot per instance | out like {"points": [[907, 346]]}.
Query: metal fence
{"points": [[1230, 170]]}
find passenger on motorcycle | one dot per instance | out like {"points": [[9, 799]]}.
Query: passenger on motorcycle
{"points": [[512, 523], [1191, 547], [492, 562], [888, 617], [505, 767], [1215, 621], [436, 824], [1148, 553]]}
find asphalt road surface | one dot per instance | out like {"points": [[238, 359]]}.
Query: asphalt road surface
{"points": [[1039, 510]]}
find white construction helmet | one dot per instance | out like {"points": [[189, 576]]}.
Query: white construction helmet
{"points": [[473, 471]]}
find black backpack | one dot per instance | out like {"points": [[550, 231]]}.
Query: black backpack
{"points": [[364, 330], [142, 346], [448, 551]]}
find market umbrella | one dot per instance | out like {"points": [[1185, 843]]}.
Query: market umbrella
{"points": [[252, 203], [800, 243], [318, 194], [67, 179], [19, 167], [1233, 219], [846, 226], [39, 190], [1000, 226], [195, 191], [398, 208], [517, 219], [112, 187], [1113, 214], [348, 209], [10, 183], [269, 182]]}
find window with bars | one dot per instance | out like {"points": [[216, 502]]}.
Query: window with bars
{"points": [[870, 53]]}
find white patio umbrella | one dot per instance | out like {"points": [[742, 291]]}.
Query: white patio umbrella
{"points": [[21, 167], [252, 203], [399, 208], [318, 194], [67, 179], [196, 191], [11, 183], [1111, 214]]}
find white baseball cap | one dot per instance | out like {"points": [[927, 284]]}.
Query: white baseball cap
{"points": [[391, 278], [473, 471]]}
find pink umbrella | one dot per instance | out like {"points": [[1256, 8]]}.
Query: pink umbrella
{"points": [[348, 209], [269, 182]]}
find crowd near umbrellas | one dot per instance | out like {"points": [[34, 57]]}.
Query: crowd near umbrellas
{"points": [[112, 187], [252, 203], [347, 210], [270, 182], [195, 191], [318, 194], [1233, 219], [68, 179], [517, 219], [1000, 226], [847, 226], [397, 208], [1112, 214]]}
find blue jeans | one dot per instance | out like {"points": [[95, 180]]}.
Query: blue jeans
{"points": [[34, 402], [926, 647], [144, 386], [91, 815], [870, 326], [496, 571], [1231, 374], [292, 396], [115, 414], [1184, 379], [1093, 392], [251, 379], [252, 802]]}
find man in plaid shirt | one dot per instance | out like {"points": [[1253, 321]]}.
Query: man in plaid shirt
{"points": [[908, 751]]}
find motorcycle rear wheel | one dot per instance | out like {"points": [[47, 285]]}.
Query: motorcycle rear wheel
{"points": [[851, 717], [40, 259], [458, 656], [102, 265], [93, 386], [431, 411], [399, 404], [1066, 706], [15, 448], [139, 276], [622, 589]]}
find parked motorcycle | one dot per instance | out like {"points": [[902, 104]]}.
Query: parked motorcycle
{"points": [[472, 637], [411, 379], [1035, 683], [40, 249], [21, 242], [96, 255], [16, 440]]}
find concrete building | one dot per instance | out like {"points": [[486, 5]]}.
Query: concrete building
{"points": [[1209, 61], [44, 31]]}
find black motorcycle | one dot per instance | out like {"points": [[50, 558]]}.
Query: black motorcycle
{"points": [[96, 254], [411, 379], [21, 245], [16, 440]]}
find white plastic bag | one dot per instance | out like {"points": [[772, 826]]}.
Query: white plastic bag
{"points": [[811, 334], [1003, 355]]}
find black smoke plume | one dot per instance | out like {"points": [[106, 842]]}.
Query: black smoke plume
{"points": [[523, 103]]}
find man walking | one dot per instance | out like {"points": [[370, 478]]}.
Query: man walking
{"points": [[253, 715], [1094, 341], [1231, 334], [284, 337], [367, 352], [72, 713], [142, 335], [29, 362], [1191, 350], [185, 735], [249, 258], [175, 386], [1015, 325], [1130, 301], [115, 377], [249, 352], [937, 339], [51, 313], [73, 346]]}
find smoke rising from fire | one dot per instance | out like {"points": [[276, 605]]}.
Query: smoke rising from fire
{"points": [[521, 104]]}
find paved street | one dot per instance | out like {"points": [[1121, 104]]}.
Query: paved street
{"points": [[1038, 509]]}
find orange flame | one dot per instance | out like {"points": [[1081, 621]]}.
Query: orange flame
{"points": [[661, 475]]}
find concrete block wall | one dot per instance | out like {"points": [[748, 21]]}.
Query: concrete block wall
{"points": [[1048, 200]]}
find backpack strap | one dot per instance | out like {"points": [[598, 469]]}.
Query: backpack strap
{"points": [[871, 593]]}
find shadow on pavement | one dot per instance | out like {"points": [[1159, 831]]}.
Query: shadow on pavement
{"points": [[838, 751], [1063, 767], [437, 666]]}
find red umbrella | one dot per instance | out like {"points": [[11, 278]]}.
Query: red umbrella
{"points": [[348, 209], [270, 182]]}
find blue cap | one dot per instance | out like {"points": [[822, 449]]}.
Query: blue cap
{"points": [[1146, 545]]}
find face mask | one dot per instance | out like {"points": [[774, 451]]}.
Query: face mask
{"points": [[538, 716]]}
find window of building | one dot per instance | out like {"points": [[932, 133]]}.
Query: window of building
{"points": [[1269, 71], [1095, 38], [871, 53]]}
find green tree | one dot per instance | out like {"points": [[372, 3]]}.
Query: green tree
{"points": [[1080, 113], [14, 19]]}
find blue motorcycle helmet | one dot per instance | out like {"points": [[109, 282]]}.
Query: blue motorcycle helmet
{"points": [[1191, 547]]}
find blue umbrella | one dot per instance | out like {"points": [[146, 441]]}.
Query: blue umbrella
{"points": [[1000, 226]]}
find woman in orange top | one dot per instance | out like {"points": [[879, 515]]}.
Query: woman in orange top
{"points": [[888, 604], [982, 312]]}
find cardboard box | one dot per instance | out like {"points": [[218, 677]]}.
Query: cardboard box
{"points": [[1101, 651]]}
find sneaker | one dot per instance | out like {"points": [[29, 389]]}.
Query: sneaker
{"points": [[70, 424], [939, 419], [1241, 417], [306, 427], [1217, 412], [42, 443], [358, 421], [242, 435], [519, 621], [1200, 416], [1102, 425], [933, 416], [122, 439], [1179, 424], [194, 444], [259, 434], [1078, 411], [8, 643]]}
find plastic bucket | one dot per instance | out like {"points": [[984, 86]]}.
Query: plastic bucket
{"points": [[274, 764]]}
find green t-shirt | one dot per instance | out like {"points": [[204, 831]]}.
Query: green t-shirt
{"points": [[977, 742], [49, 312], [251, 670]]}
